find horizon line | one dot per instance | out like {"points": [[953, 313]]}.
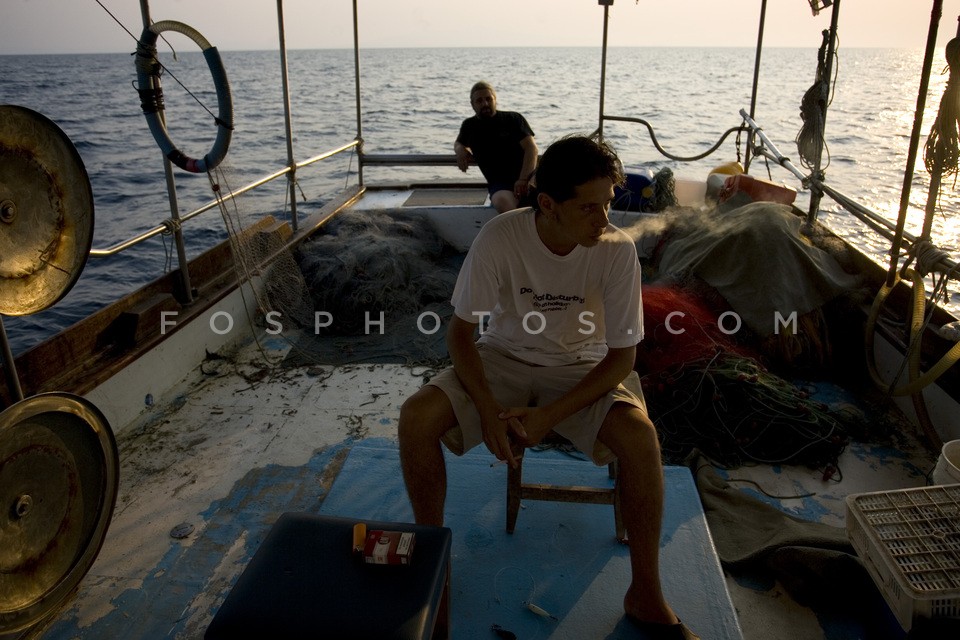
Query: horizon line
{"points": [[517, 46]]}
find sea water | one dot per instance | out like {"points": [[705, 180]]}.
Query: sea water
{"points": [[413, 100]]}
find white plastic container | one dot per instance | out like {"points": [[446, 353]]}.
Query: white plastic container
{"points": [[908, 539], [689, 193], [947, 470]]}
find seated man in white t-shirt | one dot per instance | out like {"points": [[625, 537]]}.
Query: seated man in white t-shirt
{"points": [[557, 290]]}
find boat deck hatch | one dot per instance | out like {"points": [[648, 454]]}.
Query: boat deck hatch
{"points": [[446, 197]]}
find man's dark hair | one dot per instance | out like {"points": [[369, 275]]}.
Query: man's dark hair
{"points": [[575, 160], [482, 85]]}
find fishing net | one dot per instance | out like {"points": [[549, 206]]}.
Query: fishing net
{"points": [[713, 383], [731, 390], [369, 286], [258, 242], [681, 323], [367, 264], [709, 390], [381, 282]]}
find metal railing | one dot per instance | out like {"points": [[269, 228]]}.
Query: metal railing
{"points": [[165, 227], [604, 117], [174, 223], [875, 221]]}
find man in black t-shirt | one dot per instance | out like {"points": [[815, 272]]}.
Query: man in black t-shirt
{"points": [[501, 144]]}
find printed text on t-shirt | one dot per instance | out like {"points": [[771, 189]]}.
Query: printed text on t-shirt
{"points": [[551, 301]]}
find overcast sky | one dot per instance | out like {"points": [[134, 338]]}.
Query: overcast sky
{"points": [[82, 26]]}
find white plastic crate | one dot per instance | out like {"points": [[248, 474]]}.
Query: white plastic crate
{"points": [[909, 540]]}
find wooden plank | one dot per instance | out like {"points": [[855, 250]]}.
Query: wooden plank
{"points": [[561, 493]]}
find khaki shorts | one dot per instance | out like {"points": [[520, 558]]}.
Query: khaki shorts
{"points": [[518, 384]]}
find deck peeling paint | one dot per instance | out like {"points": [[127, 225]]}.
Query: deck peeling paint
{"points": [[195, 575], [291, 425]]}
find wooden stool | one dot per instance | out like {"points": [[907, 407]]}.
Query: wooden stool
{"points": [[304, 582], [517, 490]]}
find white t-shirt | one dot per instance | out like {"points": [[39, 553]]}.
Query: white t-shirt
{"points": [[547, 309]]}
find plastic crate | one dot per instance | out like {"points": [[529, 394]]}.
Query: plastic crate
{"points": [[909, 540]]}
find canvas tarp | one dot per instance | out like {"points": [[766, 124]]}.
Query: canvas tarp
{"points": [[755, 257]]}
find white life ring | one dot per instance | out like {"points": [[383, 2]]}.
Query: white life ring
{"points": [[151, 96]]}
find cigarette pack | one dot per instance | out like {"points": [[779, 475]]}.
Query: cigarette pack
{"points": [[388, 547]]}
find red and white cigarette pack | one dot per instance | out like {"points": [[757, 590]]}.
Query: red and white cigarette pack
{"points": [[388, 547]]}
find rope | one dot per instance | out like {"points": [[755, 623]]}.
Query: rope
{"points": [[664, 190], [942, 151], [927, 255], [813, 107], [733, 410], [917, 380], [152, 100]]}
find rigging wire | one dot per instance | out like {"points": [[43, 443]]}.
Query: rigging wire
{"points": [[115, 19], [162, 66], [130, 33]]}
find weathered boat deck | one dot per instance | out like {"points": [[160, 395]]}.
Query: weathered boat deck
{"points": [[208, 466], [239, 441]]}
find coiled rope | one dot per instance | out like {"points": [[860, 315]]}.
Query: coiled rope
{"points": [[942, 151], [927, 255], [811, 143]]}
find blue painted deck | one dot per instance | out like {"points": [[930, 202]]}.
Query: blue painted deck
{"points": [[562, 557], [230, 459]]}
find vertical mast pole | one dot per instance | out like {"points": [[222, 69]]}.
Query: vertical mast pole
{"points": [[288, 126], [603, 63], [756, 81], [356, 83], [816, 195], [897, 243], [172, 195], [936, 177]]}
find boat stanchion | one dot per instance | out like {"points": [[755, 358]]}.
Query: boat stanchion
{"points": [[9, 366]]}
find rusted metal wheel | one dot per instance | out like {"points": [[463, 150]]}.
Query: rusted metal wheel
{"points": [[59, 474], [46, 212]]}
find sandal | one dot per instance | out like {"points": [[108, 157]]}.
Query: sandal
{"points": [[660, 631]]}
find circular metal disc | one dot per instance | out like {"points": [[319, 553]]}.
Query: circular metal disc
{"points": [[46, 212], [59, 474]]}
